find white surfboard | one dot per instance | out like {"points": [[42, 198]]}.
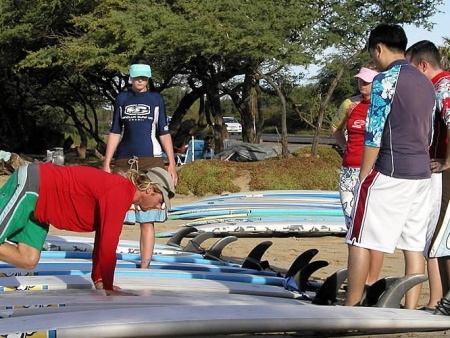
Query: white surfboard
{"points": [[64, 282], [157, 321], [86, 244], [270, 227], [273, 193]]}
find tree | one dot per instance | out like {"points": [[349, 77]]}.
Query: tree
{"points": [[351, 22], [202, 46], [445, 54]]}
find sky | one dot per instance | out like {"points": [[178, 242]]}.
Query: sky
{"points": [[441, 29]]}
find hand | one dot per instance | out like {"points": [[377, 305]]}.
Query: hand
{"points": [[172, 170], [438, 165], [119, 293], [106, 168], [99, 286]]}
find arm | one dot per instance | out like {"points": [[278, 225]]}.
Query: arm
{"points": [[370, 155], [438, 165], [166, 142], [441, 164], [111, 146], [338, 124], [111, 212], [339, 135], [114, 132]]}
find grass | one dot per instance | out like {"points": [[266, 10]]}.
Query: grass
{"points": [[299, 171]]}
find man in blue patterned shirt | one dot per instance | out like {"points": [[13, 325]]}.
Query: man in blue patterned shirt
{"points": [[392, 198]]}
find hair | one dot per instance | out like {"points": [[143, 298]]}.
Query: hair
{"points": [[139, 59], [424, 51], [392, 36], [140, 180]]}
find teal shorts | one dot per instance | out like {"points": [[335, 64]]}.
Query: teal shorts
{"points": [[18, 198]]}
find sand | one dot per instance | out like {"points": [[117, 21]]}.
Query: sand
{"points": [[281, 254]]}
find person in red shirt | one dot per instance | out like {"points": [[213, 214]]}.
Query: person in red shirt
{"points": [[425, 56], [348, 128], [75, 198]]}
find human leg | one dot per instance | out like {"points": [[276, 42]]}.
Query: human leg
{"points": [[147, 243], [23, 255], [18, 199], [358, 269], [444, 266], [433, 268], [414, 264], [435, 282], [376, 263]]}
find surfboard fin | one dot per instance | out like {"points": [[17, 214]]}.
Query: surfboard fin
{"points": [[253, 260], [194, 244], [215, 251], [176, 239], [392, 297], [373, 292], [327, 294], [303, 259], [301, 278]]}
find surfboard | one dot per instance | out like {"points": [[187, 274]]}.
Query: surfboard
{"points": [[262, 203], [291, 227], [222, 319], [205, 221], [57, 301], [74, 243], [258, 213], [7, 284], [65, 267], [255, 206], [134, 282], [273, 193]]}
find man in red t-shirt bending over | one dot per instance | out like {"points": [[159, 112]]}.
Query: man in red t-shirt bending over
{"points": [[75, 198]]}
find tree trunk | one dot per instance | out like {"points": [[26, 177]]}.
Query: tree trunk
{"points": [[324, 103], [284, 143]]}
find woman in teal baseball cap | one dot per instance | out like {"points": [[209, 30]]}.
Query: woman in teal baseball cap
{"points": [[138, 136]]}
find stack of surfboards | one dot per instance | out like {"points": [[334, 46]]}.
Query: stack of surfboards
{"points": [[264, 213], [181, 295]]}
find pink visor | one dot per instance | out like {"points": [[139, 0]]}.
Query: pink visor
{"points": [[366, 74]]}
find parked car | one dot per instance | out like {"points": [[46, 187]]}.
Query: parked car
{"points": [[233, 126]]}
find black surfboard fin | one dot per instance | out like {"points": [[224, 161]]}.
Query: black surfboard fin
{"points": [[301, 278], [327, 294], [215, 252], [303, 259], [176, 239], [253, 260], [392, 297], [374, 291], [194, 244]]}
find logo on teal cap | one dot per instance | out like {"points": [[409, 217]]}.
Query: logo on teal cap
{"points": [[138, 70]]}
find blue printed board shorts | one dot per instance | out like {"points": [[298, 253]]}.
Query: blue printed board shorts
{"points": [[144, 163], [348, 178], [18, 198]]}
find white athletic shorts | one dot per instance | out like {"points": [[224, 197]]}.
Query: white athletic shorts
{"points": [[390, 213], [435, 201]]}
